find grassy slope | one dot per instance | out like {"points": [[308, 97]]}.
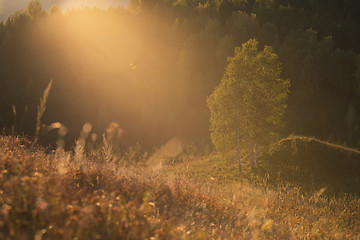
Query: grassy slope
{"points": [[45, 196], [314, 163]]}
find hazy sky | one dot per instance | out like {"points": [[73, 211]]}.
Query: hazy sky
{"points": [[7, 7]]}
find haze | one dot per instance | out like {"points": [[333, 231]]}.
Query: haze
{"points": [[7, 7]]}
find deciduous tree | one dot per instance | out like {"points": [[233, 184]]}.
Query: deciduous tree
{"points": [[247, 107]]}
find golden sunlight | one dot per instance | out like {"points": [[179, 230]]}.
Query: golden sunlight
{"points": [[7, 7], [1, 6], [179, 119], [103, 4]]}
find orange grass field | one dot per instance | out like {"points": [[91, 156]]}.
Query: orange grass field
{"points": [[46, 196]]}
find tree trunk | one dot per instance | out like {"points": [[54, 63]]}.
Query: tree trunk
{"points": [[238, 143], [239, 158], [239, 150], [251, 151], [256, 153]]}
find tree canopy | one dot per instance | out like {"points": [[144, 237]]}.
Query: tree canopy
{"points": [[248, 106]]}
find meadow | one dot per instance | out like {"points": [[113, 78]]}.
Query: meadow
{"points": [[195, 114], [57, 195]]}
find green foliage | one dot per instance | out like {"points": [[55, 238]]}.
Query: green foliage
{"points": [[250, 101], [187, 43]]}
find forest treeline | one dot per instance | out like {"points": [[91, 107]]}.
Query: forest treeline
{"points": [[150, 66]]}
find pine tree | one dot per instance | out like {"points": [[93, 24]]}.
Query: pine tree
{"points": [[247, 107]]}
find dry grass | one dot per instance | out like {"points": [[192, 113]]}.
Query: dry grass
{"points": [[330, 145], [313, 164], [99, 200]]}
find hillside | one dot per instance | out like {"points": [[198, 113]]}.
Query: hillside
{"points": [[159, 120], [45, 196], [314, 163], [154, 79]]}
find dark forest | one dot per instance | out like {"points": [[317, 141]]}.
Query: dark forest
{"points": [[150, 67]]}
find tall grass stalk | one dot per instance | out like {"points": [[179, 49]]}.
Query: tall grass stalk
{"points": [[80, 143], [41, 108], [107, 150], [13, 128], [61, 156]]}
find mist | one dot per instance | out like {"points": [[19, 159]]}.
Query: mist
{"points": [[116, 66], [8, 7], [150, 67]]}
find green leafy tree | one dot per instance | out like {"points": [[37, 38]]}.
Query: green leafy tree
{"points": [[247, 107]]}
